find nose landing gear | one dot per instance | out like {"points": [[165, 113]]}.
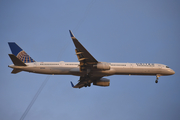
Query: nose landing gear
{"points": [[157, 78], [156, 81]]}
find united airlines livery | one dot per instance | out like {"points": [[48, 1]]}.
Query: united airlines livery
{"points": [[88, 68]]}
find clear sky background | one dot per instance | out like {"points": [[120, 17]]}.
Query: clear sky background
{"points": [[111, 30]]}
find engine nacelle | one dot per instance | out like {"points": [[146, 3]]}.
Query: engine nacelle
{"points": [[102, 82], [102, 66]]}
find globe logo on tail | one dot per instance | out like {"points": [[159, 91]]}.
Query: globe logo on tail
{"points": [[23, 56]]}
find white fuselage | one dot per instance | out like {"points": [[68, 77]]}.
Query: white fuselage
{"points": [[72, 68]]}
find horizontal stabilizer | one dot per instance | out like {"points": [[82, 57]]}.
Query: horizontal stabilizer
{"points": [[16, 61], [15, 71]]}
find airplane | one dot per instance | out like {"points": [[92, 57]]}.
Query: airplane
{"points": [[88, 68]]}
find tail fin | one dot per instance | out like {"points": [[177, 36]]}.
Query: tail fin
{"points": [[20, 53]]}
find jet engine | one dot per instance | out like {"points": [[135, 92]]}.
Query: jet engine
{"points": [[102, 82], [102, 66]]}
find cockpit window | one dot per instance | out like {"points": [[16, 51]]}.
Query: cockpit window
{"points": [[167, 67]]}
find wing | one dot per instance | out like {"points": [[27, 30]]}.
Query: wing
{"points": [[86, 64], [81, 83], [85, 58], [85, 81]]}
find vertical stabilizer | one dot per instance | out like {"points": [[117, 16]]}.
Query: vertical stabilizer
{"points": [[20, 53]]}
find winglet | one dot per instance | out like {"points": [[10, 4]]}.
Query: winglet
{"points": [[71, 34], [72, 84]]}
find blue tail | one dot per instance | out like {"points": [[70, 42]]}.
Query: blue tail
{"points": [[20, 53]]}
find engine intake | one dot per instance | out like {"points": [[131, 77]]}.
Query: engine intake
{"points": [[102, 82], [102, 66]]}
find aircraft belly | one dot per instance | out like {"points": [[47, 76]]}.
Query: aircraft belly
{"points": [[76, 71], [59, 70], [138, 71], [48, 70], [100, 73]]}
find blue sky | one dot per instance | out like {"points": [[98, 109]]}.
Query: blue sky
{"points": [[112, 31]]}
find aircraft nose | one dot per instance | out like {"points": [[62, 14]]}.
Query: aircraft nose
{"points": [[172, 72]]}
